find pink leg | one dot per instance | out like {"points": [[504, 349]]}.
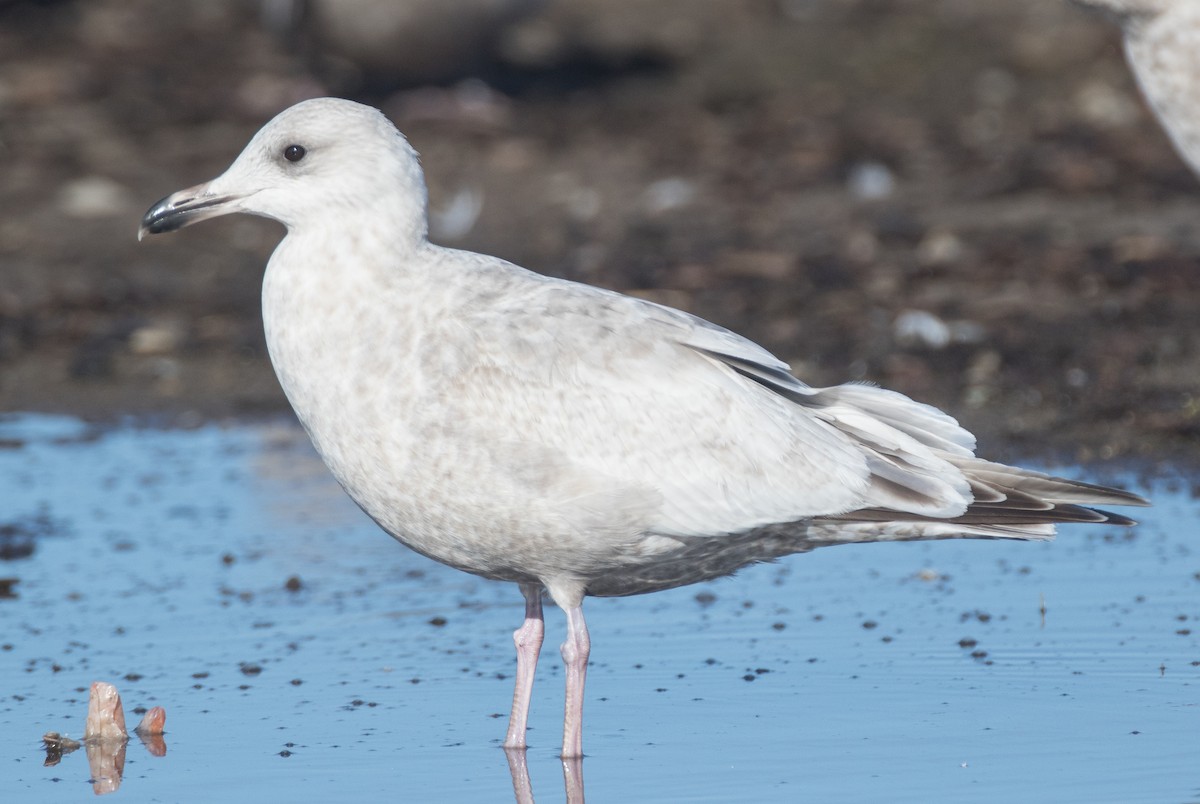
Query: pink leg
{"points": [[528, 639], [575, 658]]}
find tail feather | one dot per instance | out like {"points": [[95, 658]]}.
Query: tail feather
{"points": [[1011, 480], [924, 480], [1009, 503]]}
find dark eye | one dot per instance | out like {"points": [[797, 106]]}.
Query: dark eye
{"points": [[294, 153]]}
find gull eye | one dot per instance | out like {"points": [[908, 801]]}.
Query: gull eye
{"points": [[294, 153]]}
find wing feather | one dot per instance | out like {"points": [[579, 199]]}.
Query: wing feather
{"points": [[720, 431]]}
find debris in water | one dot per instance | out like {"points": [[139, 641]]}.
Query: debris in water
{"points": [[152, 722], [105, 737], [106, 716], [56, 745]]}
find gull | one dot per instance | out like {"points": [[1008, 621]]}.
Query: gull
{"points": [[573, 440], [1162, 45]]}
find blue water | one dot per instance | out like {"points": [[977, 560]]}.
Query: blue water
{"points": [[160, 562]]}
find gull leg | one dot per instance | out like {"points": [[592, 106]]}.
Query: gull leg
{"points": [[575, 658], [528, 639]]}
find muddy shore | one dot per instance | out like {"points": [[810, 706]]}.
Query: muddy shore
{"points": [[966, 202]]}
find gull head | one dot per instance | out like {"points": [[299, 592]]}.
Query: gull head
{"points": [[314, 165]]}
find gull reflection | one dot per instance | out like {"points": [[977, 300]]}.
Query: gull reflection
{"points": [[518, 766]]}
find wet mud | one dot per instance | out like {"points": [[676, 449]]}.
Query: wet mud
{"points": [[968, 202]]}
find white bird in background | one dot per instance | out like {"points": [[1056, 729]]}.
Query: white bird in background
{"points": [[570, 439], [1162, 44]]}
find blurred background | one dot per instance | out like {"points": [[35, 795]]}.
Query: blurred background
{"points": [[964, 200]]}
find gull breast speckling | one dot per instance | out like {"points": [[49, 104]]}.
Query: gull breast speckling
{"points": [[1162, 45], [570, 439]]}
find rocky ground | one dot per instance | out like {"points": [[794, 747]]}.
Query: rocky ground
{"points": [[963, 200]]}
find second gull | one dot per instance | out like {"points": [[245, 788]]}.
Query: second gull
{"points": [[1162, 45]]}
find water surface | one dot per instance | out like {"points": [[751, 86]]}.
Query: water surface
{"points": [[302, 655]]}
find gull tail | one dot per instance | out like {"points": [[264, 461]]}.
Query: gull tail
{"points": [[1009, 503]]}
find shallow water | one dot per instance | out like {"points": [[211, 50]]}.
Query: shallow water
{"points": [[161, 560]]}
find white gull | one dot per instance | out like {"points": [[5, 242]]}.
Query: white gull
{"points": [[570, 439]]}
